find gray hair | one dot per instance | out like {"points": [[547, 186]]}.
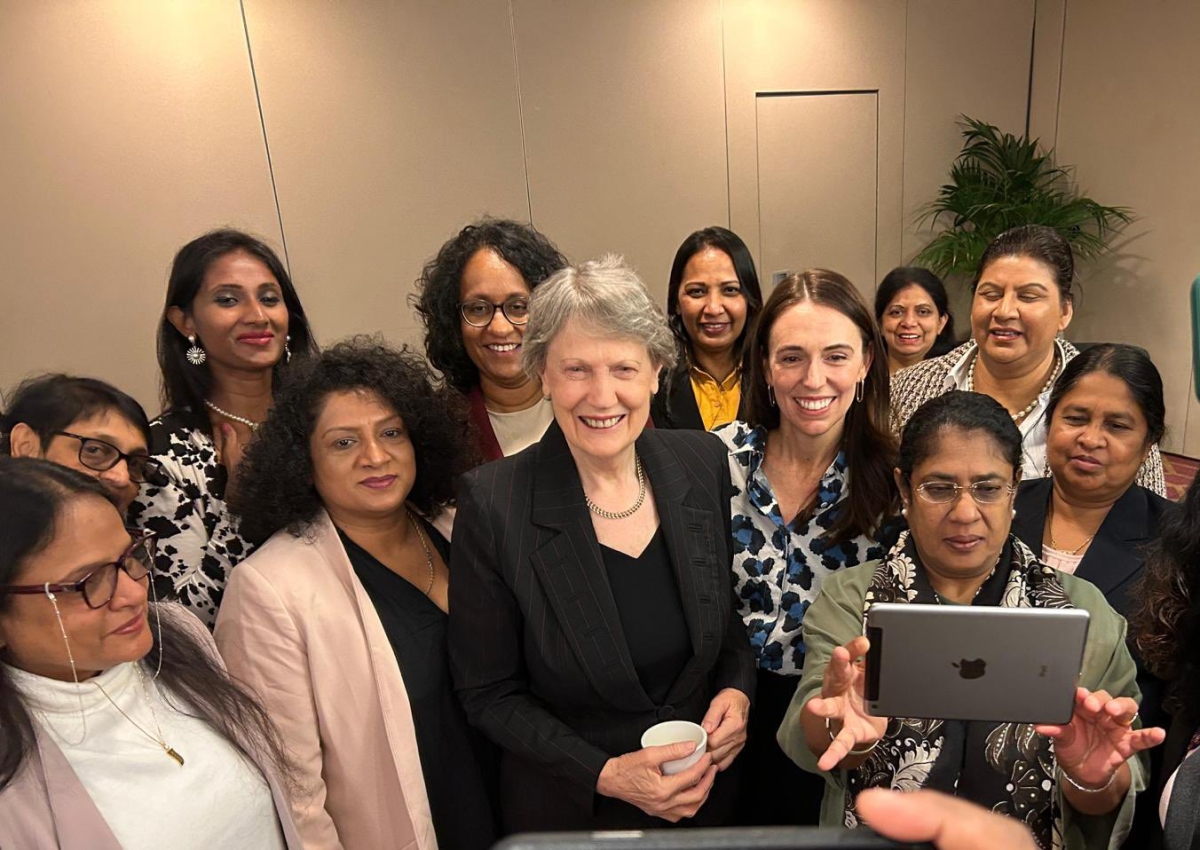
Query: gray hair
{"points": [[608, 297]]}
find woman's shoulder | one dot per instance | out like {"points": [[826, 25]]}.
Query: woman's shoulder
{"points": [[739, 435], [1087, 596], [928, 375]]}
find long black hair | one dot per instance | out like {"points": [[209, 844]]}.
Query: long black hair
{"points": [[185, 385], [33, 494], [905, 276], [50, 403], [436, 301]]}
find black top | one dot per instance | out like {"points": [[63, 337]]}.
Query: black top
{"points": [[455, 759], [651, 612]]}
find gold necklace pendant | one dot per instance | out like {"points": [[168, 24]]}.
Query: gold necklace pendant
{"points": [[171, 752]]}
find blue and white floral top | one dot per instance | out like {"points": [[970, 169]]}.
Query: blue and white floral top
{"points": [[778, 567]]}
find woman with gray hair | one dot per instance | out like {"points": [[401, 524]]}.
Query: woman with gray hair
{"points": [[591, 596]]}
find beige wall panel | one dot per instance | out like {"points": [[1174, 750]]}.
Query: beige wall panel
{"points": [[970, 59], [817, 190], [1129, 119], [127, 129], [807, 46], [625, 125], [390, 126], [1050, 29]]}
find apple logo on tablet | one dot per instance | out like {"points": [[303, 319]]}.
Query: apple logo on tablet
{"points": [[970, 669]]}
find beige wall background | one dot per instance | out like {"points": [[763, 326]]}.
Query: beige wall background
{"points": [[357, 136]]}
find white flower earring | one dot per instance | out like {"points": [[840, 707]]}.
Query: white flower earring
{"points": [[195, 355]]}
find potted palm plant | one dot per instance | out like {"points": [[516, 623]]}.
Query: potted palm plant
{"points": [[1000, 181]]}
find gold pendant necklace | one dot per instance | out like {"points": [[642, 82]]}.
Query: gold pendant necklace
{"points": [[160, 740]]}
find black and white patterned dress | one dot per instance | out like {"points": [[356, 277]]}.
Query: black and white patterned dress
{"points": [[198, 541]]}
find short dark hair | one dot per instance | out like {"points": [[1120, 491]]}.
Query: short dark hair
{"points": [[185, 385], [731, 245], [276, 489], [437, 298], [866, 439], [33, 494], [905, 276], [1037, 242], [1130, 364], [958, 410], [50, 403]]}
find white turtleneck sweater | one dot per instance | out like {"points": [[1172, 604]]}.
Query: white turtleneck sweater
{"points": [[216, 799]]}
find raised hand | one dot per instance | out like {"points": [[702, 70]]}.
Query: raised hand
{"points": [[841, 704], [1100, 738], [637, 778]]}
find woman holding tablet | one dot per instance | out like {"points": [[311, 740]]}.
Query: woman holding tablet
{"points": [[1072, 785]]}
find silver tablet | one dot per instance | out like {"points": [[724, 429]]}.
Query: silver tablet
{"points": [[960, 662]]}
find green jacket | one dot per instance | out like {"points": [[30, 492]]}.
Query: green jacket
{"points": [[836, 616]]}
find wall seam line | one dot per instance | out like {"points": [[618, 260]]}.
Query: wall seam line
{"points": [[1062, 56], [512, 29], [1032, 60], [262, 121], [725, 104]]}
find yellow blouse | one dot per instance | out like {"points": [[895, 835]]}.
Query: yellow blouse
{"points": [[718, 400]]}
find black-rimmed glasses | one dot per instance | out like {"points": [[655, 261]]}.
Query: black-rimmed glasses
{"points": [[99, 585], [983, 492], [102, 456], [478, 312]]}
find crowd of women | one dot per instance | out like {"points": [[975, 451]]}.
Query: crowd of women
{"points": [[360, 598]]}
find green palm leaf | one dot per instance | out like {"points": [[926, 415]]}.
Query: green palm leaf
{"points": [[999, 181]]}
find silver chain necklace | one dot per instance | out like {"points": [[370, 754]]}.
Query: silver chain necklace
{"points": [[249, 423], [628, 512]]}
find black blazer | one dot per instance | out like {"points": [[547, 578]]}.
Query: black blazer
{"points": [[1113, 562], [536, 646], [675, 405]]}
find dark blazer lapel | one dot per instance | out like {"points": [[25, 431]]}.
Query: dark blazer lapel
{"points": [[572, 573], [1128, 523], [690, 534], [1033, 498]]}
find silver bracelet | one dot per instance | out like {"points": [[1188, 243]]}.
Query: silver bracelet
{"points": [[1084, 788], [833, 737]]}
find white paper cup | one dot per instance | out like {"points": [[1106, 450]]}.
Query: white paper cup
{"points": [[675, 732]]}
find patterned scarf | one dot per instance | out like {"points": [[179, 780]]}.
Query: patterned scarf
{"points": [[1006, 767]]}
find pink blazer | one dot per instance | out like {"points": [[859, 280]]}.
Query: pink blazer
{"points": [[46, 807], [297, 626]]}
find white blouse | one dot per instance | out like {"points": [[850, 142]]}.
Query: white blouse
{"points": [[216, 799]]}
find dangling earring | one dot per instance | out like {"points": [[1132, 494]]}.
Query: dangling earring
{"points": [[859, 389], [771, 395], [195, 355], [904, 512], [287, 352]]}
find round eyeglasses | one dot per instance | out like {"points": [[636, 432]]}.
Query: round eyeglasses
{"points": [[478, 312], [983, 492], [100, 584], [102, 456]]}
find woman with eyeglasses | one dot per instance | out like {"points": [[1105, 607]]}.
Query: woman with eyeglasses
{"points": [[474, 300], [85, 424], [1074, 785], [231, 327], [119, 728]]}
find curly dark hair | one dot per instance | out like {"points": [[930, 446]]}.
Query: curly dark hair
{"points": [[519, 245], [1165, 623], [276, 488]]}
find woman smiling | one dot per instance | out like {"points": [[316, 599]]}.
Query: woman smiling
{"points": [[1021, 301]]}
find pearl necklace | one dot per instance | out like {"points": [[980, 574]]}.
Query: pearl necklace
{"points": [[628, 512], [1020, 415], [249, 423]]}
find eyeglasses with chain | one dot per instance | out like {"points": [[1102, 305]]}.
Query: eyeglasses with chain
{"points": [[945, 492], [100, 584], [479, 312], [103, 456]]}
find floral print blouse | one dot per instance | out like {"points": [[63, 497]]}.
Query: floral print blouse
{"points": [[778, 566]]}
